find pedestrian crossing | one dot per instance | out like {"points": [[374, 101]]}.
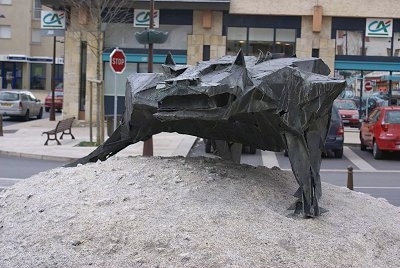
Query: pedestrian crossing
{"points": [[270, 159]]}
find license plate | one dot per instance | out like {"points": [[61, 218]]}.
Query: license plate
{"points": [[346, 121], [3, 104]]}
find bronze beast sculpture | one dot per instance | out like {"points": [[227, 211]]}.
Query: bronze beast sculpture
{"points": [[271, 104]]}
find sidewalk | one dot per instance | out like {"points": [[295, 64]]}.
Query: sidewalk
{"points": [[26, 140]]}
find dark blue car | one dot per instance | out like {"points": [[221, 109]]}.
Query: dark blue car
{"points": [[335, 137]]}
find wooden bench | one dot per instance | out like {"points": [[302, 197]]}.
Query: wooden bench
{"points": [[63, 126]]}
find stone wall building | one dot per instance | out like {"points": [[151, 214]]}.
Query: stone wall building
{"points": [[354, 38]]}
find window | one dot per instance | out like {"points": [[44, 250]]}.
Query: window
{"points": [[236, 39], [254, 40], [396, 46], [5, 2], [38, 75], [260, 39], [36, 36], [37, 8], [378, 46], [5, 31], [349, 42]]}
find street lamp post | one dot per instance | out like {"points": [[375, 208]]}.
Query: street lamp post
{"points": [[150, 36], [53, 82], [148, 144]]}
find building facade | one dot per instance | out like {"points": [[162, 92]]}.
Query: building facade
{"points": [[26, 55], [355, 45]]}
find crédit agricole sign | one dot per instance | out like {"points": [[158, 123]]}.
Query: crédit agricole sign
{"points": [[379, 27]]}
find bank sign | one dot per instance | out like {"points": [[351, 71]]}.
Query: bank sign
{"points": [[53, 20], [142, 18], [379, 28]]}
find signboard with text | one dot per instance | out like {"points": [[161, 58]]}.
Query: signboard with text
{"points": [[52, 20], [379, 27], [142, 18]]}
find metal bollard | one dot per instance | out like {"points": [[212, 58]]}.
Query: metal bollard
{"points": [[1, 125], [350, 178]]}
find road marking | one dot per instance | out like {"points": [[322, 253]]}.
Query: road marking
{"points": [[377, 187], [359, 171], [10, 179], [269, 159], [356, 160]]}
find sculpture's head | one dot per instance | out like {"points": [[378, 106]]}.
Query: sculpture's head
{"points": [[207, 89]]}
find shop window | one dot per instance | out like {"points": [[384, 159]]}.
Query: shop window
{"points": [[378, 46], [260, 39], [285, 41], [396, 46], [236, 39], [349, 43], [38, 75], [254, 40]]}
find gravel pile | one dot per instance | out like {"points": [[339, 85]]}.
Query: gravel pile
{"points": [[188, 212]]}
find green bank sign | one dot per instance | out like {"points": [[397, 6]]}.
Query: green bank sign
{"points": [[53, 20], [379, 27]]}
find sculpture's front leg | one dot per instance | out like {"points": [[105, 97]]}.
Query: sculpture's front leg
{"points": [[303, 163], [111, 146]]}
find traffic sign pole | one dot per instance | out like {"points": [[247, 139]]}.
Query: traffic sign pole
{"points": [[115, 102], [118, 65]]}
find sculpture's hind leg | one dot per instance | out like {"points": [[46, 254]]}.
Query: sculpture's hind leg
{"points": [[303, 163]]}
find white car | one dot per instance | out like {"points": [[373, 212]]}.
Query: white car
{"points": [[20, 103]]}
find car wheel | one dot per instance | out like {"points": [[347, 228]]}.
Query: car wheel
{"points": [[376, 152], [40, 115], [47, 109], [27, 116], [338, 153]]}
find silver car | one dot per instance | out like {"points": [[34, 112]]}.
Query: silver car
{"points": [[20, 103]]}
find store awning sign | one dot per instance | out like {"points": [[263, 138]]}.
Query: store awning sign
{"points": [[379, 27], [142, 18], [53, 20]]}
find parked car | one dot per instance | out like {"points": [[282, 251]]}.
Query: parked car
{"points": [[58, 98], [335, 137], [20, 103], [348, 112], [381, 131], [334, 140]]}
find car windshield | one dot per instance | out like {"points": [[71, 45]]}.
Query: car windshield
{"points": [[345, 105], [9, 96], [392, 117]]}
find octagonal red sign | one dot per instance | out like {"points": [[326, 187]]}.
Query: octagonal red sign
{"points": [[118, 61]]}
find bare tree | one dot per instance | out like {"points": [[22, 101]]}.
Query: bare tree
{"points": [[96, 15]]}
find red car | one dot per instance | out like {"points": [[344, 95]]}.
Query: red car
{"points": [[348, 112], [381, 131], [58, 99]]}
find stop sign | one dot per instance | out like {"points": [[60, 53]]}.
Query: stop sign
{"points": [[368, 86], [118, 60]]}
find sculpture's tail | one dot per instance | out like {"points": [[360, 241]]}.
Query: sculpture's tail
{"points": [[110, 147]]}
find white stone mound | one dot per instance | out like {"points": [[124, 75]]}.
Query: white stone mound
{"points": [[188, 212]]}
